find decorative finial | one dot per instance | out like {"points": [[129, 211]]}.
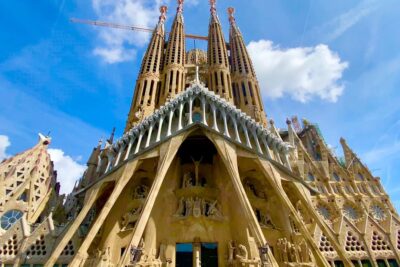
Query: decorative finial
{"points": [[163, 12], [288, 122], [45, 140], [100, 142], [111, 139], [213, 8], [180, 6], [271, 121], [231, 11]]}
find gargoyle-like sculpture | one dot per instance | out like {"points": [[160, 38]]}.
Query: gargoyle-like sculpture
{"points": [[129, 219], [140, 192]]}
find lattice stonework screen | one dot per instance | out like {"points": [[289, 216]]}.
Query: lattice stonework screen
{"points": [[353, 244], [325, 244], [378, 243]]}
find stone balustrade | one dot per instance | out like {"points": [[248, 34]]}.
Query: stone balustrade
{"points": [[195, 106]]}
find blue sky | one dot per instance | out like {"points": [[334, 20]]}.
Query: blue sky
{"points": [[335, 63]]}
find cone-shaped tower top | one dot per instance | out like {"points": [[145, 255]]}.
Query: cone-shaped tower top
{"points": [[180, 8], [213, 9], [246, 90], [234, 29], [219, 79], [174, 69], [148, 82]]}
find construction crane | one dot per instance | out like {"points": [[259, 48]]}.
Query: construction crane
{"points": [[126, 27]]}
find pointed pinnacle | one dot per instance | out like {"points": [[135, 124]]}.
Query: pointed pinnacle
{"points": [[163, 12], [180, 6], [213, 8], [231, 11]]}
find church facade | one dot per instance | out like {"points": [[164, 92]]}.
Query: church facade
{"points": [[200, 177]]}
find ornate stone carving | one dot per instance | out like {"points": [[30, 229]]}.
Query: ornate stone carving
{"points": [[241, 252], [198, 207], [292, 253], [188, 206], [140, 192], [136, 252], [151, 258], [265, 220], [252, 189], [139, 115], [129, 219], [264, 254], [213, 211], [239, 256], [181, 207], [231, 248], [100, 258], [188, 180]]}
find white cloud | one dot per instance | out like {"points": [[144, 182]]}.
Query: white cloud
{"points": [[302, 72], [385, 152], [68, 170], [386, 148], [345, 21], [119, 45], [4, 144], [115, 55]]}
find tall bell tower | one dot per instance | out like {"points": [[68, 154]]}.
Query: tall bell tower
{"points": [[174, 69], [219, 77], [246, 90], [148, 83]]}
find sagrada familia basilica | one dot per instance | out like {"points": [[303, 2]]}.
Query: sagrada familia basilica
{"points": [[200, 177]]}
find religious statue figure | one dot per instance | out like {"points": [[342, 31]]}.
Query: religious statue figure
{"points": [[168, 98], [106, 255], [136, 252], [141, 192], [196, 170], [264, 254], [188, 180], [294, 254], [290, 252], [130, 217], [149, 259], [232, 250], [181, 207], [189, 206], [100, 258], [266, 220], [304, 252], [204, 207], [250, 188], [197, 207], [241, 252], [139, 114], [213, 211], [283, 249]]}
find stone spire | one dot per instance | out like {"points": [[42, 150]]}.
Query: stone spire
{"points": [[174, 70], [148, 82], [246, 90], [219, 79]]}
